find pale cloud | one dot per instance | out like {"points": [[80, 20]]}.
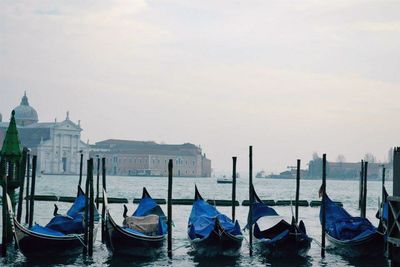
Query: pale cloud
{"points": [[289, 77]]}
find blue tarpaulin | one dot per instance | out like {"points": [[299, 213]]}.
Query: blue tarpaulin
{"points": [[202, 220], [342, 226], [148, 206], [72, 223]]}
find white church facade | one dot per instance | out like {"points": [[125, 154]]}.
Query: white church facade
{"points": [[58, 145]]}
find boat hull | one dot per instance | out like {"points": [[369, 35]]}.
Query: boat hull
{"points": [[122, 242], [34, 245], [370, 246], [292, 245], [218, 243]]}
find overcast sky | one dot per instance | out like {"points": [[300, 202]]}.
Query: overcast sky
{"points": [[288, 77]]}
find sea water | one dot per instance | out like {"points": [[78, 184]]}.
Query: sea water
{"points": [[345, 191]]}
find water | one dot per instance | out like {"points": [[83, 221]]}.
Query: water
{"points": [[131, 187]]}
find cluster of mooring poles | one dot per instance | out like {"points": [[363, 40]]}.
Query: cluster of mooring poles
{"points": [[17, 169]]}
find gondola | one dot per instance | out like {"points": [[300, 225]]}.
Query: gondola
{"points": [[351, 236], [283, 239], [142, 235], [212, 233], [62, 236]]}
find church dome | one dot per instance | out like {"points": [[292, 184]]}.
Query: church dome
{"points": [[25, 114]]}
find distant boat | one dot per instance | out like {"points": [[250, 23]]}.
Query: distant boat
{"points": [[224, 180]]}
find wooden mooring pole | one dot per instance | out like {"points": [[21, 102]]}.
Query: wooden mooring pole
{"points": [[360, 192], [21, 175], [323, 207], [89, 165], [170, 170], [27, 200], [233, 188], [364, 194], [98, 183], [251, 198], [103, 210], [4, 241], [80, 169], [383, 184], [91, 213], [393, 232], [297, 191], [32, 196]]}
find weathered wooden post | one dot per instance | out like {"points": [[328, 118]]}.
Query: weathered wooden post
{"points": [[89, 168], [251, 199], [4, 241], [170, 169], [28, 169], [360, 193], [32, 196], [393, 230], [80, 168], [396, 172], [364, 198], [91, 213], [103, 210], [98, 183], [323, 208], [233, 188], [383, 184], [297, 191], [21, 174]]}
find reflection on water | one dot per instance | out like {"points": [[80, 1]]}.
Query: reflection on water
{"points": [[131, 187]]}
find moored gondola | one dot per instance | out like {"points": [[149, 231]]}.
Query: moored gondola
{"points": [[282, 239], [212, 233], [142, 235], [62, 236], [351, 236]]}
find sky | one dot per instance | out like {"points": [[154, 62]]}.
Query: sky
{"points": [[289, 77]]}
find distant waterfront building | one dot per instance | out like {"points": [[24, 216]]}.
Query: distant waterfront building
{"points": [[343, 169], [124, 157], [56, 144]]}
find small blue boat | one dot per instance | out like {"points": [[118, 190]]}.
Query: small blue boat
{"points": [[283, 239], [351, 236], [143, 234], [62, 236], [212, 233]]}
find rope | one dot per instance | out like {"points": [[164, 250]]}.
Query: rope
{"points": [[318, 243]]}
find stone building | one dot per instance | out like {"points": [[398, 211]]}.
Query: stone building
{"points": [[57, 144], [138, 158]]}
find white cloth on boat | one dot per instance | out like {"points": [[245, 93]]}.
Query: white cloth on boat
{"points": [[145, 224]]}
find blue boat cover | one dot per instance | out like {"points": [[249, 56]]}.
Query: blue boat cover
{"points": [[202, 220], [72, 223], [259, 210], [342, 226], [148, 206], [45, 231]]}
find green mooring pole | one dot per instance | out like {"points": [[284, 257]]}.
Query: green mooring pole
{"points": [[80, 169], [170, 170]]}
